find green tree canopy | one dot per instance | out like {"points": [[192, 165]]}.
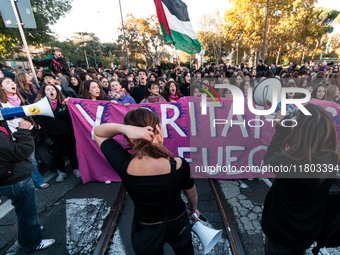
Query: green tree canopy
{"points": [[144, 37], [294, 26], [46, 13]]}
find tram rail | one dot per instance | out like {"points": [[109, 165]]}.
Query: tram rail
{"points": [[235, 241]]}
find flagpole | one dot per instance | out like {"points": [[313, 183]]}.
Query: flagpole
{"points": [[127, 55]]}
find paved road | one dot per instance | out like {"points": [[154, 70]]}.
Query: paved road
{"points": [[74, 214]]}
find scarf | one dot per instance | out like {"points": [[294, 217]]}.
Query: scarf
{"points": [[54, 104], [155, 99], [173, 97], [57, 66], [4, 130], [14, 100], [115, 95]]}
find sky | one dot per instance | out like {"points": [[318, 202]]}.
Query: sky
{"points": [[102, 17]]}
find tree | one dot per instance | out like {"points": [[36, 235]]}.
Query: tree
{"points": [[144, 38], [334, 46], [46, 13], [325, 18], [295, 27], [212, 37], [89, 43]]}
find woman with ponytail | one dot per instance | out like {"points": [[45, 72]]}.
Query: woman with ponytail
{"points": [[154, 181]]}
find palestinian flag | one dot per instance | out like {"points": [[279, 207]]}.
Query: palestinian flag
{"points": [[176, 26]]}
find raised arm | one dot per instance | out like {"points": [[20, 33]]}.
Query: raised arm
{"points": [[43, 63], [109, 130]]}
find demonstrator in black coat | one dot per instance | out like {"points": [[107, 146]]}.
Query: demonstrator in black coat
{"points": [[298, 207]]}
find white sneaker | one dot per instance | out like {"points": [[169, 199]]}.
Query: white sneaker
{"points": [[44, 185], [76, 173], [61, 176], [45, 243]]}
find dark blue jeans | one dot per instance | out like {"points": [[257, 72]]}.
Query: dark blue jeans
{"points": [[36, 175], [23, 197], [275, 249]]}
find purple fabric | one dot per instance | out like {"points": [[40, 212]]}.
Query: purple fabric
{"points": [[234, 145]]}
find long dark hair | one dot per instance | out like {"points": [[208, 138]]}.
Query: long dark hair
{"points": [[75, 88], [184, 82], [125, 84], [143, 117], [3, 97], [315, 90], [86, 88], [314, 133], [20, 80], [60, 97], [166, 91]]}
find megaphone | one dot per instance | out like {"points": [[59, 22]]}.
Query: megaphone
{"points": [[209, 237], [42, 107]]}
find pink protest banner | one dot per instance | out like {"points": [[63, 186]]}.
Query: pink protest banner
{"points": [[227, 146], [86, 114], [235, 141]]}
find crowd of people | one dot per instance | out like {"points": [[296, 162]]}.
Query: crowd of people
{"points": [[125, 87], [54, 137]]}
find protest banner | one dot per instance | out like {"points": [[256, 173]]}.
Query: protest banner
{"points": [[217, 139]]}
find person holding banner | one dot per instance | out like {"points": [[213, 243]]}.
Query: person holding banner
{"points": [[119, 95], [149, 175], [299, 209], [152, 93], [57, 132]]}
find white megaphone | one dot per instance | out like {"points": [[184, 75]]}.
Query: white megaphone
{"points": [[42, 107], [266, 90], [209, 237]]}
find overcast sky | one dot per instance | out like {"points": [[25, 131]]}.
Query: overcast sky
{"points": [[102, 17]]}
